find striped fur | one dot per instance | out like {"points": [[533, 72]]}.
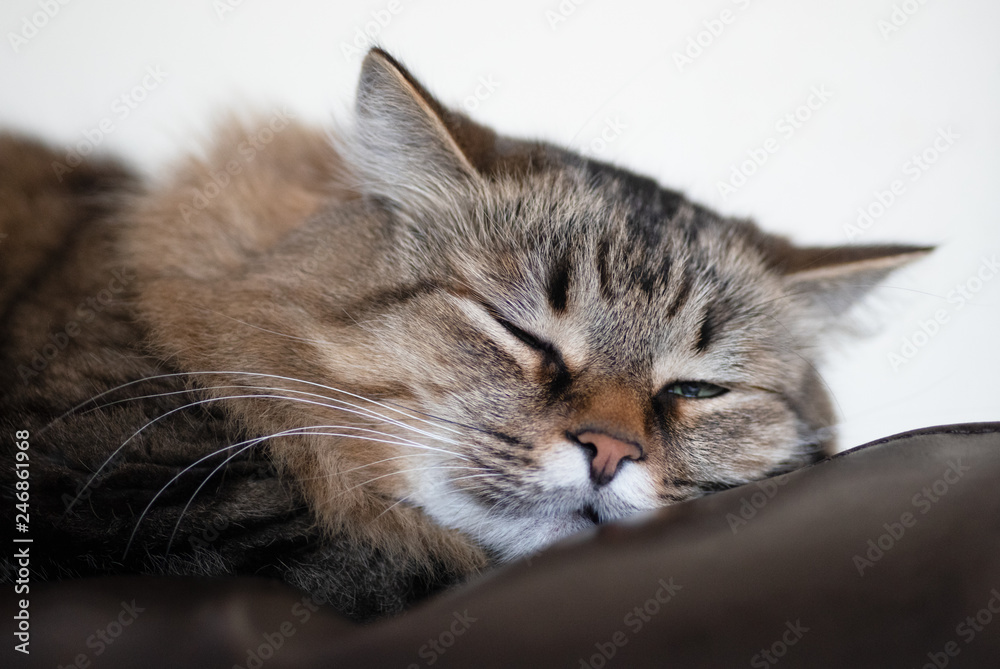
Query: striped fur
{"points": [[480, 303]]}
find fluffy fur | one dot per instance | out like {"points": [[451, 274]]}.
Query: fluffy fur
{"points": [[384, 354]]}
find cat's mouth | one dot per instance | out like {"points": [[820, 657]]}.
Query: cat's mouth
{"points": [[590, 513]]}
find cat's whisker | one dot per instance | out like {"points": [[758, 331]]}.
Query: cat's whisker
{"points": [[405, 443], [120, 386], [470, 501], [118, 450], [377, 462], [393, 506], [406, 498], [438, 419], [263, 329], [156, 377], [242, 446], [115, 453], [277, 389], [359, 410], [398, 472], [472, 476], [397, 457], [252, 443], [343, 392], [486, 517]]}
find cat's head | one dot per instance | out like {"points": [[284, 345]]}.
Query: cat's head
{"points": [[552, 341], [594, 345]]}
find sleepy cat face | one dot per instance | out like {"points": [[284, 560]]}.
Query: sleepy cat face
{"points": [[598, 350], [500, 336], [581, 344]]}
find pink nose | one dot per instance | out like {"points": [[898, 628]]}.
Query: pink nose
{"points": [[606, 454]]}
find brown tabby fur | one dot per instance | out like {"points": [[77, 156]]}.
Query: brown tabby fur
{"points": [[389, 263]]}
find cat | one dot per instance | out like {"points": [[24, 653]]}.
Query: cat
{"points": [[375, 361]]}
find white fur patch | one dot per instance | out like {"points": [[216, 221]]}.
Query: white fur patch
{"points": [[564, 475]]}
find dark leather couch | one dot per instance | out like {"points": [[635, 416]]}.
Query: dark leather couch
{"points": [[887, 555]]}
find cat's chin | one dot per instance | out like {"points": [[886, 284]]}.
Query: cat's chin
{"points": [[519, 537], [519, 531]]}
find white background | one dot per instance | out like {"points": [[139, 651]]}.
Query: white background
{"points": [[607, 62]]}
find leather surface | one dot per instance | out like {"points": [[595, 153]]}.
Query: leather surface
{"points": [[884, 556]]}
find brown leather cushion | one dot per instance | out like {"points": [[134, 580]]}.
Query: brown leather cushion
{"points": [[885, 556]]}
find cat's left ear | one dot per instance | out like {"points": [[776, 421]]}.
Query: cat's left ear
{"points": [[403, 148], [832, 280]]}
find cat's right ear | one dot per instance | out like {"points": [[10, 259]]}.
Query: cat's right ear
{"points": [[831, 280], [402, 149]]}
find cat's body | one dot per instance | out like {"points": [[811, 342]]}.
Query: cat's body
{"points": [[63, 273], [459, 348]]}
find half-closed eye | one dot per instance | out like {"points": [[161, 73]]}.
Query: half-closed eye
{"points": [[695, 390]]}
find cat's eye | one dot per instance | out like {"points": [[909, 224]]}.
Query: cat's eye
{"points": [[547, 349], [526, 337], [559, 378], [696, 390]]}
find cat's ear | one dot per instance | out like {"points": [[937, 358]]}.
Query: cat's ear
{"points": [[403, 149], [832, 280]]}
